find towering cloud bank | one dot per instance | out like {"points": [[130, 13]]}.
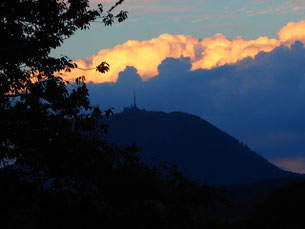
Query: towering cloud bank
{"points": [[207, 53]]}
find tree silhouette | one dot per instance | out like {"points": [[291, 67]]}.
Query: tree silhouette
{"points": [[40, 112], [57, 169], [282, 208]]}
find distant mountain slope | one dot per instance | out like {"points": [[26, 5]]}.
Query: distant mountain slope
{"points": [[207, 153]]}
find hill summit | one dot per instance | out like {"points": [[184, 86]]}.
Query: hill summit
{"points": [[207, 153]]}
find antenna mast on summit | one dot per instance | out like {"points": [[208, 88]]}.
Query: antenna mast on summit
{"points": [[134, 98]]}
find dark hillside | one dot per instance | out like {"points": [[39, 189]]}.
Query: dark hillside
{"points": [[207, 153]]}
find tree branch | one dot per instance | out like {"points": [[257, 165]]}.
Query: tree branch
{"points": [[115, 5]]}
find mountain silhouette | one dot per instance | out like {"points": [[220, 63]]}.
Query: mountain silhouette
{"points": [[204, 151]]}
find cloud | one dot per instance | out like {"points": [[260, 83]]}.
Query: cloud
{"points": [[291, 164], [144, 7], [293, 31], [233, 8], [259, 100], [129, 77], [205, 53]]}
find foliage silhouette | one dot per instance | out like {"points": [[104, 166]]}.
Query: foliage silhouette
{"points": [[40, 111], [57, 168], [283, 208]]}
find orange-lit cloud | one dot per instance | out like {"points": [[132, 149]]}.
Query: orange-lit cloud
{"points": [[295, 165], [207, 53], [293, 31], [219, 50]]}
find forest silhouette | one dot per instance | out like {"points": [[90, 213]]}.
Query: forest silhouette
{"points": [[58, 169]]}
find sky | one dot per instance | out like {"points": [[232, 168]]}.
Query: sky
{"points": [[239, 64]]}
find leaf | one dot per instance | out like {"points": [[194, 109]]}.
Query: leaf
{"points": [[122, 16], [80, 80], [103, 67], [109, 112], [100, 7], [108, 19]]}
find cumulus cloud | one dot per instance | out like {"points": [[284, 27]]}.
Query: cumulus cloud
{"points": [[259, 100], [206, 53], [293, 31]]}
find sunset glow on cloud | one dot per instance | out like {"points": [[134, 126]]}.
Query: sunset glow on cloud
{"points": [[291, 164], [292, 32], [207, 53]]}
